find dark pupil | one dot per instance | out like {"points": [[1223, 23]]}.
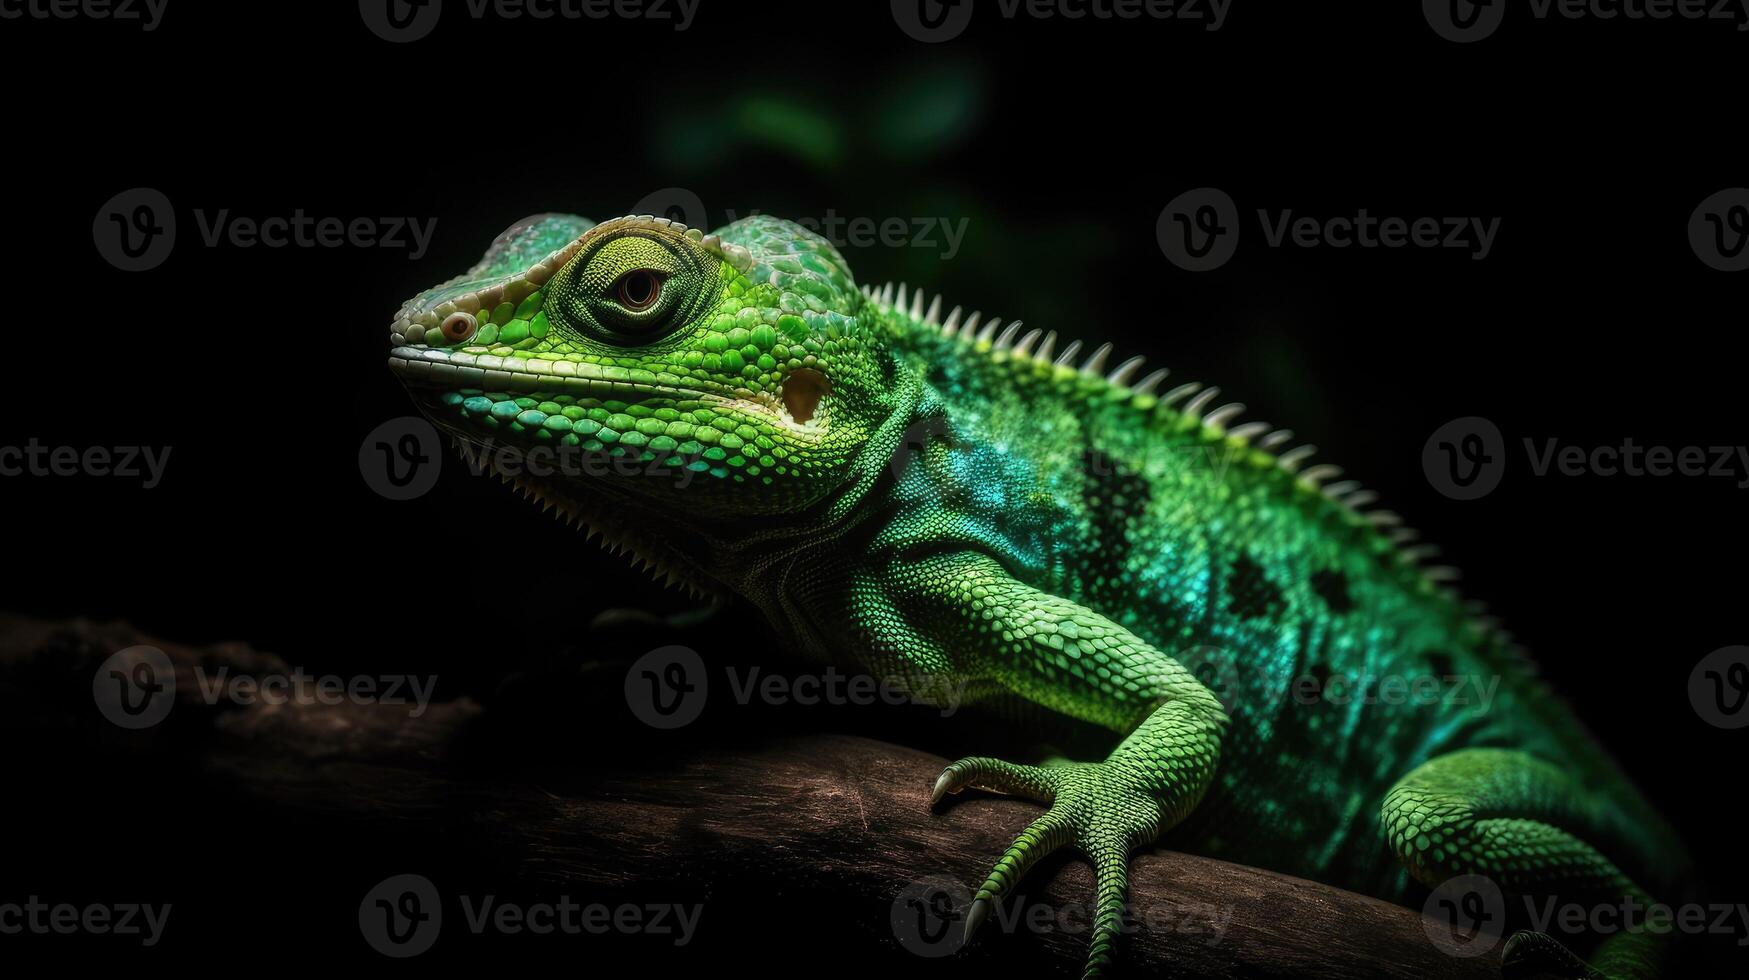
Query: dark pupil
{"points": [[637, 290]]}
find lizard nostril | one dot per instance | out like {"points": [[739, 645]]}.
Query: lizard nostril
{"points": [[458, 327]]}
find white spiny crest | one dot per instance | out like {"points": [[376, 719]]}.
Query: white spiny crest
{"points": [[1276, 438], [1249, 431], [1219, 418], [1193, 408], [1040, 346], [1421, 552], [1121, 375], [1147, 385], [1182, 391], [1069, 354], [1096, 361], [1292, 459]]}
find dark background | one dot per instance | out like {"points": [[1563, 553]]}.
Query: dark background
{"points": [[1059, 142]]}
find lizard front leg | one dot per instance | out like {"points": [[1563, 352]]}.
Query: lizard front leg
{"points": [[962, 613]]}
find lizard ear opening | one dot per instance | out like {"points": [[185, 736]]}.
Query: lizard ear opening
{"points": [[802, 392]]}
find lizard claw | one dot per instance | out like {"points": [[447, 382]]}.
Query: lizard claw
{"points": [[1096, 807], [1537, 954], [975, 917]]}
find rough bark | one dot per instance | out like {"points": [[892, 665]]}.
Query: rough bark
{"points": [[840, 817]]}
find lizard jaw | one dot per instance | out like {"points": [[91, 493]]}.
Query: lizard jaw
{"points": [[665, 564], [797, 406]]}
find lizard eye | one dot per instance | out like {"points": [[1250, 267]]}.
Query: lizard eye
{"points": [[634, 289], [639, 289], [458, 327]]}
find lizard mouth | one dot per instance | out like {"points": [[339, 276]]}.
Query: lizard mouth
{"points": [[435, 368], [796, 407]]}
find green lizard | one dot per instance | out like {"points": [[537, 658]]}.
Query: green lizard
{"points": [[949, 503]]}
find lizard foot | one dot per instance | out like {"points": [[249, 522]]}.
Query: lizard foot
{"points": [[1104, 809], [1530, 954]]}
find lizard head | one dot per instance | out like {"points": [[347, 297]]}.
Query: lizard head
{"points": [[648, 379]]}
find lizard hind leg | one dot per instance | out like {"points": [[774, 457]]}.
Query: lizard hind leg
{"points": [[1532, 831]]}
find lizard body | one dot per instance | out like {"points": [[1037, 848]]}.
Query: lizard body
{"points": [[956, 505]]}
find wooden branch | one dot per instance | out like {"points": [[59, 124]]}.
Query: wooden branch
{"points": [[835, 817]]}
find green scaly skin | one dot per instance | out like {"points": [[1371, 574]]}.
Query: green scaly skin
{"points": [[950, 505]]}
